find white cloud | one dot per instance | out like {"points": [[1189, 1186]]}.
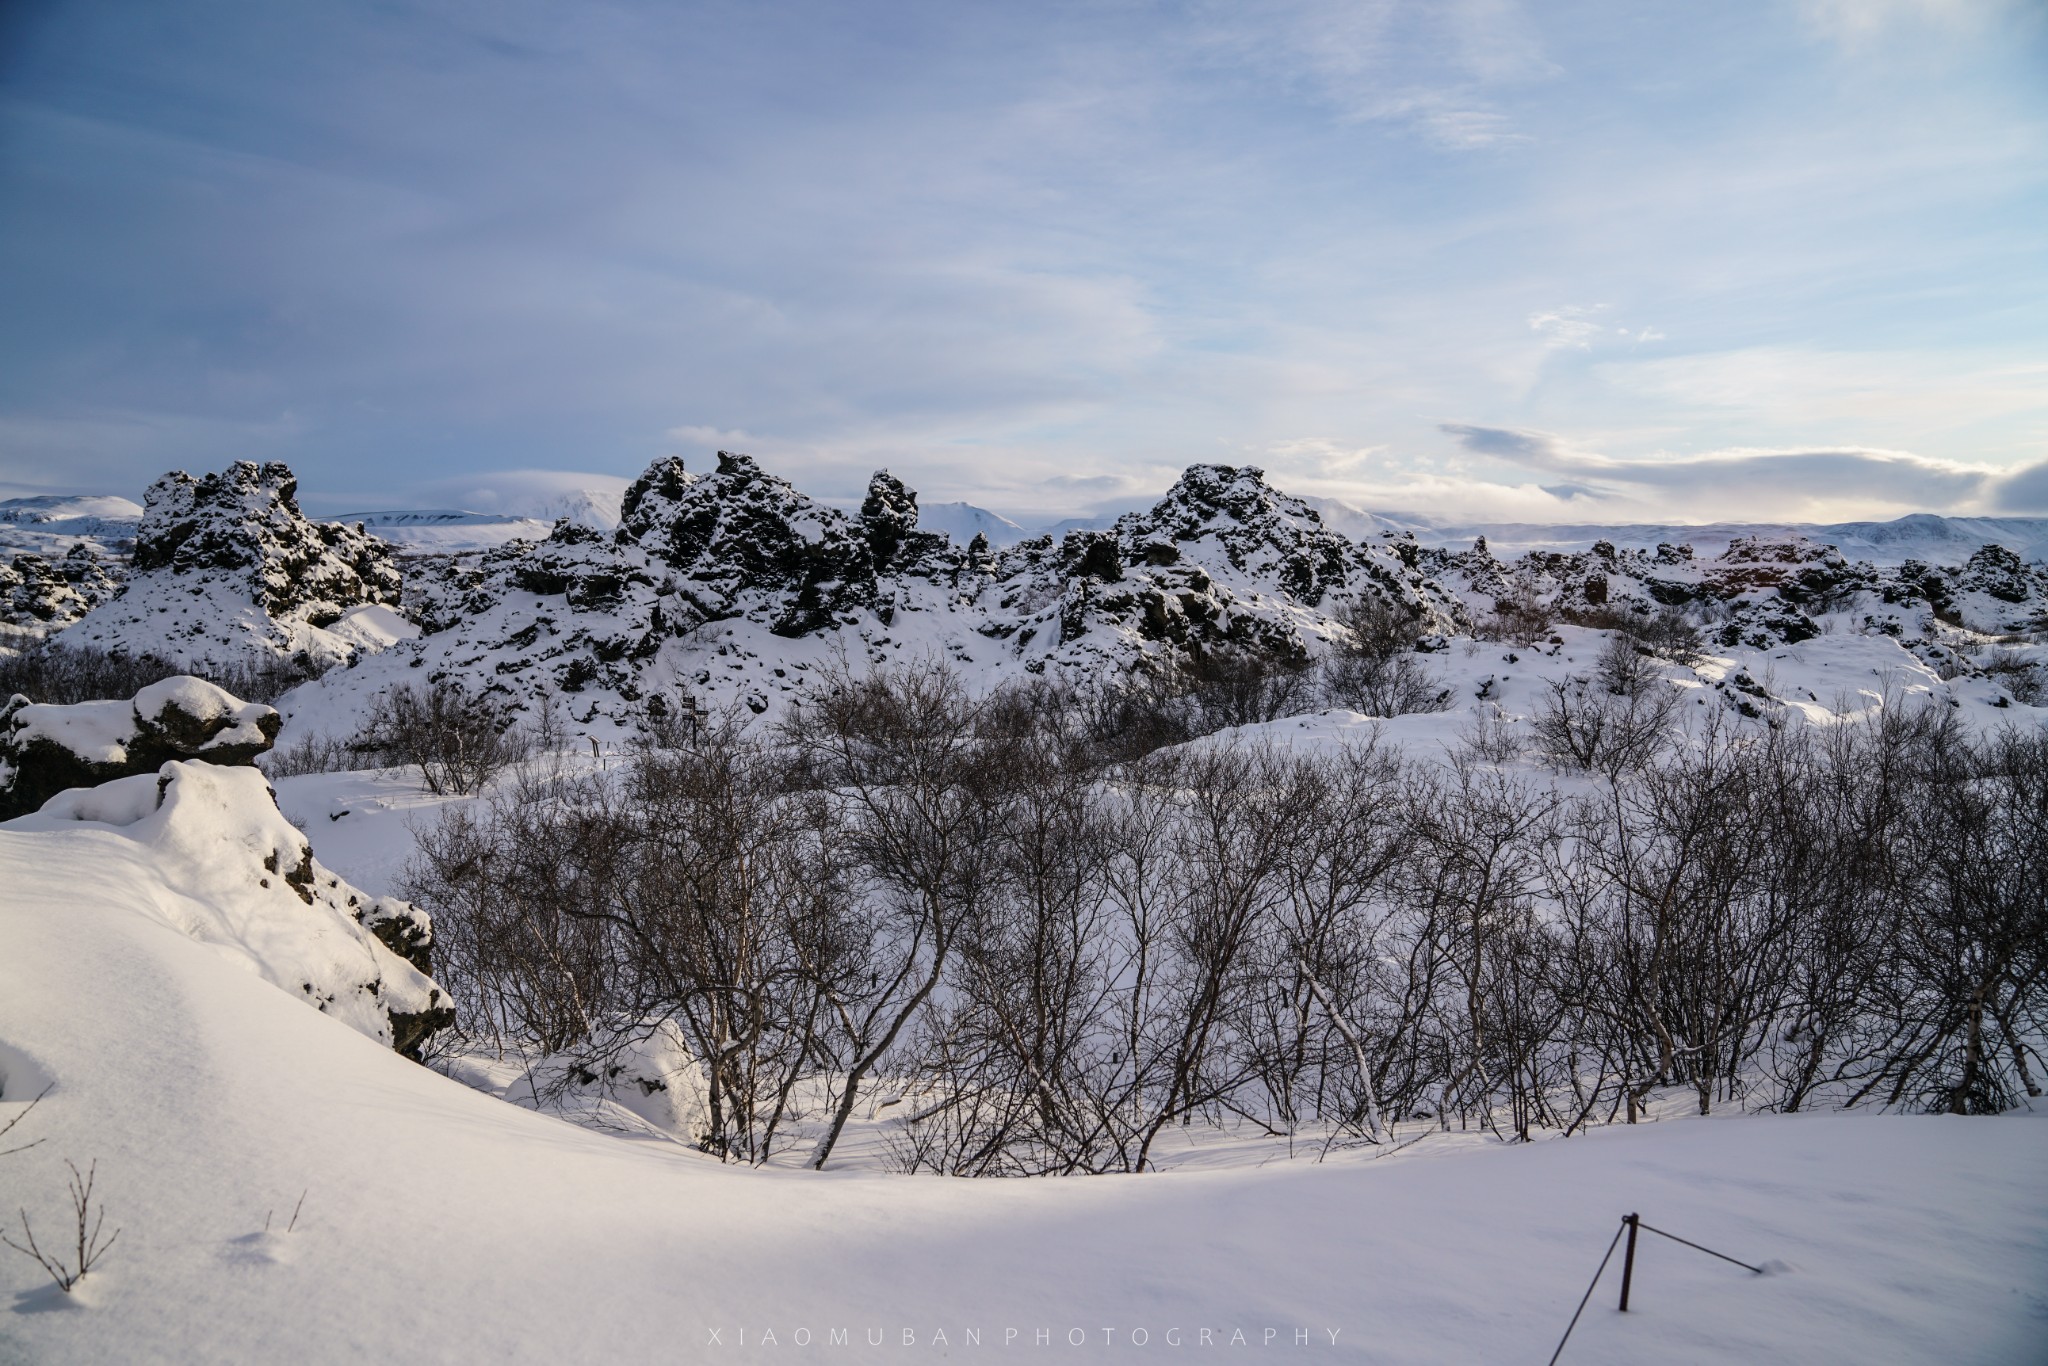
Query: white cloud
{"points": [[1825, 484], [1568, 327]]}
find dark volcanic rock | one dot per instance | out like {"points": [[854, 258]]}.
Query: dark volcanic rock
{"points": [[226, 567], [45, 749]]}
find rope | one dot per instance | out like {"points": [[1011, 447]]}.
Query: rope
{"points": [[1709, 1251], [1588, 1295]]}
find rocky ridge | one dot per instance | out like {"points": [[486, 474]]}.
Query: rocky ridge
{"points": [[734, 584]]}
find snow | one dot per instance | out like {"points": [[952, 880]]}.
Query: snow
{"points": [[157, 965], [207, 851], [49, 507], [441, 1224], [964, 521], [98, 732], [436, 532]]}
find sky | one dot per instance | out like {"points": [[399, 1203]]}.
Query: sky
{"points": [[1468, 259]]}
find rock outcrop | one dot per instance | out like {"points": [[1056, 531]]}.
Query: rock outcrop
{"points": [[226, 567], [46, 748], [44, 592]]}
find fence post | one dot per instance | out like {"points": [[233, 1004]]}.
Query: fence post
{"points": [[1628, 1261]]}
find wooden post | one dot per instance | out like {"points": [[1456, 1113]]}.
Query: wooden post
{"points": [[1628, 1260]]}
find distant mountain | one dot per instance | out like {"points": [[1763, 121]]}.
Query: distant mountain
{"points": [[964, 521], [448, 531], [1361, 525], [48, 507], [1918, 536]]}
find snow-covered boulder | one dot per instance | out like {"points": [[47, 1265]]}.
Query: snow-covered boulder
{"points": [[248, 884], [645, 1077], [227, 568], [46, 748]]}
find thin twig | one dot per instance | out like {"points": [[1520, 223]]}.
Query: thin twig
{"points": [[20, 1117]]}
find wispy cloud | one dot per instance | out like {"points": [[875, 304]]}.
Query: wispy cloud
{"points": [[990, 246]]}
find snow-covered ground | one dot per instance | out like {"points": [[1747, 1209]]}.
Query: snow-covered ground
{"points": [[442, 1224], [156, 973], [439, 1224]]}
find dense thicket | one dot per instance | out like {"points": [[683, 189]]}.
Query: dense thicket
{"points": [[1053, 950], [48, 671]]}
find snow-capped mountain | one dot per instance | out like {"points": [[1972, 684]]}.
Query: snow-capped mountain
{"points": [[447, 531], [46, 508], [964, 521]]}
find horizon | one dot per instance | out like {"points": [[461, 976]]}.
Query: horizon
{"points": [[1483, 262]]}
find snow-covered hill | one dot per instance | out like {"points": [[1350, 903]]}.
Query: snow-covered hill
{"points": [[964, 521]]}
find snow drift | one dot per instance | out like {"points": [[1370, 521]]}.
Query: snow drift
{"points": [[207, 850]]}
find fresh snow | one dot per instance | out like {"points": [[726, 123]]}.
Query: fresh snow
{"points": [[439, 1224]]}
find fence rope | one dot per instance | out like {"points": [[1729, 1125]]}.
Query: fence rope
{"points": [[1627, 1221], [1588, 1295], [1689, 1243]]}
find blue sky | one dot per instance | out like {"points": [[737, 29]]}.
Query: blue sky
{"points": [[1470, 258]]}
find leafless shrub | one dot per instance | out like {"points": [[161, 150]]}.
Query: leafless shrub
{"points": [[1624, 668], [457, 740], [317, 754], [88, 1248], [1587, 727], [1398, 686], [1672, 634], [949, 911], [8, 1127], [1490, 737], [51, 671], [1371, 669], [2026, 680], [1520, 616]]}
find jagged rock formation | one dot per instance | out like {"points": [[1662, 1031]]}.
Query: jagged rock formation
{"points": [[735, 584], [242, 878], [45, 748], [42, 592], [1760, 592], [226, 567]]}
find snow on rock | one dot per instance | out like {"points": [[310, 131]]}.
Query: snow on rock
{"points": [[736, 585], [227, 869], [45, 592], [46, 748], [226, 567]]}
